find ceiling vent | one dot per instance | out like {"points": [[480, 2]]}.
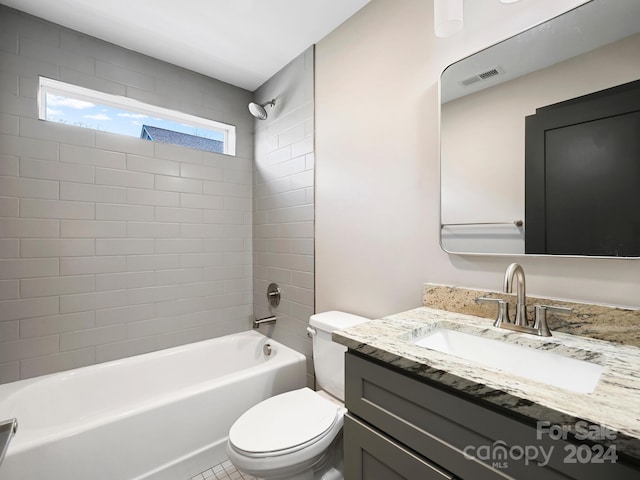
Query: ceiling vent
{"points": [[493, 72]]}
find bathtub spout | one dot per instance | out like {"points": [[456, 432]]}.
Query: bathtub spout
{"points": [[7, 429], [266, 320]]}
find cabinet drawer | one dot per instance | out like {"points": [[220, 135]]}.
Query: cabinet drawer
{"points": [[445, 428], [369, 455]]}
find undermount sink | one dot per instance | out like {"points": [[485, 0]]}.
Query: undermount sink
{"points": [[572, 374]]}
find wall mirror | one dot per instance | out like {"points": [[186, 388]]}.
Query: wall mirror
{"points": [[497, 196]]}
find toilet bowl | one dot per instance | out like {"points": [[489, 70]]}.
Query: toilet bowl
{"points": [[297, 435], [285, 435]]}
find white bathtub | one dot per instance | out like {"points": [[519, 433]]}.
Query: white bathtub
{"points": [[162, 415]]}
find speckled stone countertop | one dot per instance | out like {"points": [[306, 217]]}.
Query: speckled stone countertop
{"points": [[614, 324], [614, 403]]}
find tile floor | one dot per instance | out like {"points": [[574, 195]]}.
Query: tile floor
{"points": [[223, 471]]}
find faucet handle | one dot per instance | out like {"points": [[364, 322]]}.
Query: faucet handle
{"points": [[503, 309], [488, 300], [553, 308], [540, 323]]}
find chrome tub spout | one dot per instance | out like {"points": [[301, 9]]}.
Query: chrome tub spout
{"points": [[267, 320]]}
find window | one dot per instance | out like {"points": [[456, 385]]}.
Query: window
{"points": [[64, 103]]}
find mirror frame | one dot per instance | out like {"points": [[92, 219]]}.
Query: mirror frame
{"points": [[440, 167]]}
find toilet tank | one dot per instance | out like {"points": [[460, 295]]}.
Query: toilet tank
{"points": [[328, 356]]}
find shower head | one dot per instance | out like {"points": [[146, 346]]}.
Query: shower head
{"points": [[259, 111]]}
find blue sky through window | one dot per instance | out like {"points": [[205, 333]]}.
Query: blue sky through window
{"points": [[105, 118]]}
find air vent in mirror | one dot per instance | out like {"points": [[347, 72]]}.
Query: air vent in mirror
{"points": [[493, 72]]}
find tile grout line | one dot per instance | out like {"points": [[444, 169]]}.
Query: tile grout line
{"points": [[223, 471]]}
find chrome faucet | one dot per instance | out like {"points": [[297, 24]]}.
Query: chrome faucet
{"points": [[521, 323], [515, 271]]}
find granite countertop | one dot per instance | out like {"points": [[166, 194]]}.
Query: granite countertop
{"points": [[614, 403]]}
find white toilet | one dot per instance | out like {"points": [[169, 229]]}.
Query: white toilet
{"points": [[297, 435]]}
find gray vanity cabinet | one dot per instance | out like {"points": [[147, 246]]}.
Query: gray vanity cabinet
{"points": [[373, 455], [400, 427]]}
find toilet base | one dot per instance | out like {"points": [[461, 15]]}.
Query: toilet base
{"points": [[327, 467], [330, 474]]}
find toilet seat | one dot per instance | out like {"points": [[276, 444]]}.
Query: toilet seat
{"points": [[285, 424]]}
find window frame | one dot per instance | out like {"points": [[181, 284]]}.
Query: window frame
{"points": [[55, 87]]}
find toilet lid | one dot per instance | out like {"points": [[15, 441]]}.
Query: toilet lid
{"points": [[284, 422]]}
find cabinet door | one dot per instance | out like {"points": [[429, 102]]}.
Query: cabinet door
{"points": [[581, 175], [452, 431], [369, 455]]}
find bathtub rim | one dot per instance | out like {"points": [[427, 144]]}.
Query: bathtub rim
{"points": [[40, 436]]}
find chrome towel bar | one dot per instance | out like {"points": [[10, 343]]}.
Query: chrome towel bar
{"points": [[517, 223]]}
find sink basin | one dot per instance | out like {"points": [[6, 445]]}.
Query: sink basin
{"points": [[540, 365]]}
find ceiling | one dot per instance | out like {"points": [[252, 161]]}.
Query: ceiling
{"points": [[241, 42]]}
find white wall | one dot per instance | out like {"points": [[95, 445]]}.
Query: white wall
{"points": [[112, 246], [377, 180], [283, 203]]}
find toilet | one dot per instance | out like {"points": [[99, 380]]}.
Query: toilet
{"points": [[297, 435]]}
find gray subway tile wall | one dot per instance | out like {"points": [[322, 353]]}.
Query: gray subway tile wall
{"points": [[112, 246], [283, 215]]}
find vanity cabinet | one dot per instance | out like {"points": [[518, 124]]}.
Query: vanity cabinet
{"points": [[400, 426], [373, 455]]}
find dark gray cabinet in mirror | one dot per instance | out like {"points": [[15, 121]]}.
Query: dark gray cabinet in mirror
{"points": [[485, 100]]}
